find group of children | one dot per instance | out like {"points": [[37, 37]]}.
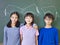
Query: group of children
{"points": [[27, 33]]}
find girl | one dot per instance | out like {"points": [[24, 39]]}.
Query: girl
{"points": [[48, 35], [28, 34], [11, 30]]}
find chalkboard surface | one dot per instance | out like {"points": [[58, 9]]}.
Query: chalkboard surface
{"points": [[38, 7]]}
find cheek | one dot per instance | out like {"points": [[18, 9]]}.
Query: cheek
{"points": [[50, 21], [11, 19], [45, 21], [16, 19], [26, 20], [31, 20]]}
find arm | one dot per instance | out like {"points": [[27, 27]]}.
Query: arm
{"points": [[18, 41], [40, 37], [21, 36], [56, 38], [36, 37], [36, 40], [5, 36]]}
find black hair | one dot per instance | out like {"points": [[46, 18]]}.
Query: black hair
{"points": [[49, 15], [29, 14], [17, 23]]}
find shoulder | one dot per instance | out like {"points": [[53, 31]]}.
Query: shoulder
{"points": [[22, 27], [5, 27], [54, 28], [42, 28], [22, 24]]}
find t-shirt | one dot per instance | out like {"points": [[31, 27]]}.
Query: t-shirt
{"points": [[11, 36], [48, 36], [28, 35]]}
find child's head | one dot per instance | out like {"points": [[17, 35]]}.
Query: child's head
{"points": [[14, 18], [29, 18], [48, 18]]}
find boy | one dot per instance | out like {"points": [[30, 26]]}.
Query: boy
{"points": [[48, 35]]}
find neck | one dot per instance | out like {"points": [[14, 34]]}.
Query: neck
{"points": [[28, 25], [48, 26], [13, 24]]}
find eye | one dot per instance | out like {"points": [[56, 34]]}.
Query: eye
{"points": [[12, 17]]}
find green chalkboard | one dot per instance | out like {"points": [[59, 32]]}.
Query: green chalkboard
{"points": [[38, 7]]}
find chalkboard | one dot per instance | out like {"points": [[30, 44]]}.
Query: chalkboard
{"points": [[38, 7]]}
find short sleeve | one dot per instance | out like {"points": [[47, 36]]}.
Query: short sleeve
{"points": [[37, 33], [5, 36], [21, 30]]}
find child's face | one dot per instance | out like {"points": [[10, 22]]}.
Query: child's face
{"points": [[48, 21], [28, 19], [14, 18]]}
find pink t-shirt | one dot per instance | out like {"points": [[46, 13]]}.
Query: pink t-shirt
{"points": [[28, 35]]}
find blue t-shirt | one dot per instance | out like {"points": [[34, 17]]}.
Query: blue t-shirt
{"points": [[48, 36], [11, 36]]}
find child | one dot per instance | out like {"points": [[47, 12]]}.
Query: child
{"points": [[11, 30], [48, 35], [28, 34]]}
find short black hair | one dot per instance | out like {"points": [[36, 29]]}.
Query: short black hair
{"points": [[29, 14], [17, 23], [49, 15]]}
